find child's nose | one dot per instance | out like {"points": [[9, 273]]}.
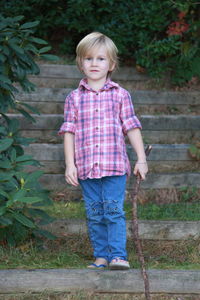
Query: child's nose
{"points": [[94, 61]]}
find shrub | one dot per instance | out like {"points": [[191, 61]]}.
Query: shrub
{"points": [[21, 196], [160, 36]]}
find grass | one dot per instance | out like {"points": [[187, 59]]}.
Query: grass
{"points": [[74, 251], [150, 211], [81, 295]]}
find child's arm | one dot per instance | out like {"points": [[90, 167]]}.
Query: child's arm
{"points": [[135, 139], [71, 170]]}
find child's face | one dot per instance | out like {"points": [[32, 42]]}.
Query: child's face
{"points": [[96, 64]]}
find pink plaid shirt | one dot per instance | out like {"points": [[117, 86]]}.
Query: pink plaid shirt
{"points": [[99, 121]]}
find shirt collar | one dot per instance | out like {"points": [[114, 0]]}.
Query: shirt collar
{"points": [[109, 84]]}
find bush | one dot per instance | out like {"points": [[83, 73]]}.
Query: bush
{"points": [[21, 196], [160, 36]]}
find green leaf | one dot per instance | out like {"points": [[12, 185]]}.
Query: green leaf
{"points": [[16, 48], [29, 25], [2, 210], [38, 41], [13, 155], [2, 58], [23, 220], [24, 141], [29, 163], [19, 194], [50, 57], [196, 66], [44, 233], [44, 49], [18, 18], [13, 125], [4, 194], [26, 115], [29, 199], [24, 157], [34, 176], [2, 130], [5, 221], [31, 108], [5, 79], [5, 164], [9, 203], [5, 176], [45, 218], [5, 144]]}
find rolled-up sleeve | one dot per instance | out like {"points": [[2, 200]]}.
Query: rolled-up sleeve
{"points": [[69, 124], [127, 114]]}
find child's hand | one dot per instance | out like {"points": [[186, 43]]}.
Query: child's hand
{"points": [[141, 168], [71, 175]]}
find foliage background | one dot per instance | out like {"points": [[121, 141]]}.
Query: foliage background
{"points": [[22, 198], [151, 34]]}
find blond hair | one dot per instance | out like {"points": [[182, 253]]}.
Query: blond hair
{"points": [[96, 39]]}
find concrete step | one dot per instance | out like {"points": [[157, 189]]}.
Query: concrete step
{"points": [[61, 76], [40, 280], [148, 230], [149, 136], [156, 129], [51, 100], [149, 122], [163, 158], [48, 152], [56, 182]]}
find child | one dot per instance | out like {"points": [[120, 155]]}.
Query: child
{"points": [[97, 115]]}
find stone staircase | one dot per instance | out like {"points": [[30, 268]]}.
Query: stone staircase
{"points": [[170, 166], [170, 133]]}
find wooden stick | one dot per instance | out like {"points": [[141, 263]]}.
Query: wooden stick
{"points": [[135, 231]]}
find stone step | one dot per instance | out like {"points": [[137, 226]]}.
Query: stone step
{"points": [[163, 158], [149, 122], [156, 129], [56, 182], [159, 167], [48, 152], [60, 76], [148, 230], [51, 100], [103, 281], [149, 136]]}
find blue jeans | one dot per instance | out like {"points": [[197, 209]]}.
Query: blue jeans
{"points": [[104, 201]]}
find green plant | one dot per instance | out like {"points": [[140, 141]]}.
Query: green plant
{"points": [[158, 36], [20, 190], [194, 151], [189, 194]]}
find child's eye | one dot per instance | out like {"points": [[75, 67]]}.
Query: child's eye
{"points": [[101, 58], [88, 58]]}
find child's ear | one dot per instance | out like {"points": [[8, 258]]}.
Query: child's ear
{"points": [[112, 66]]}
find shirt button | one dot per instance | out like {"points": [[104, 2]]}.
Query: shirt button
{"points": [[97, 146], [97, 128], [96, 110], [96, 164], [97, 94]]}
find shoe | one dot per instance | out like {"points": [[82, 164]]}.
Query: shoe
{"points": [[95, 266], [119, 264]]}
